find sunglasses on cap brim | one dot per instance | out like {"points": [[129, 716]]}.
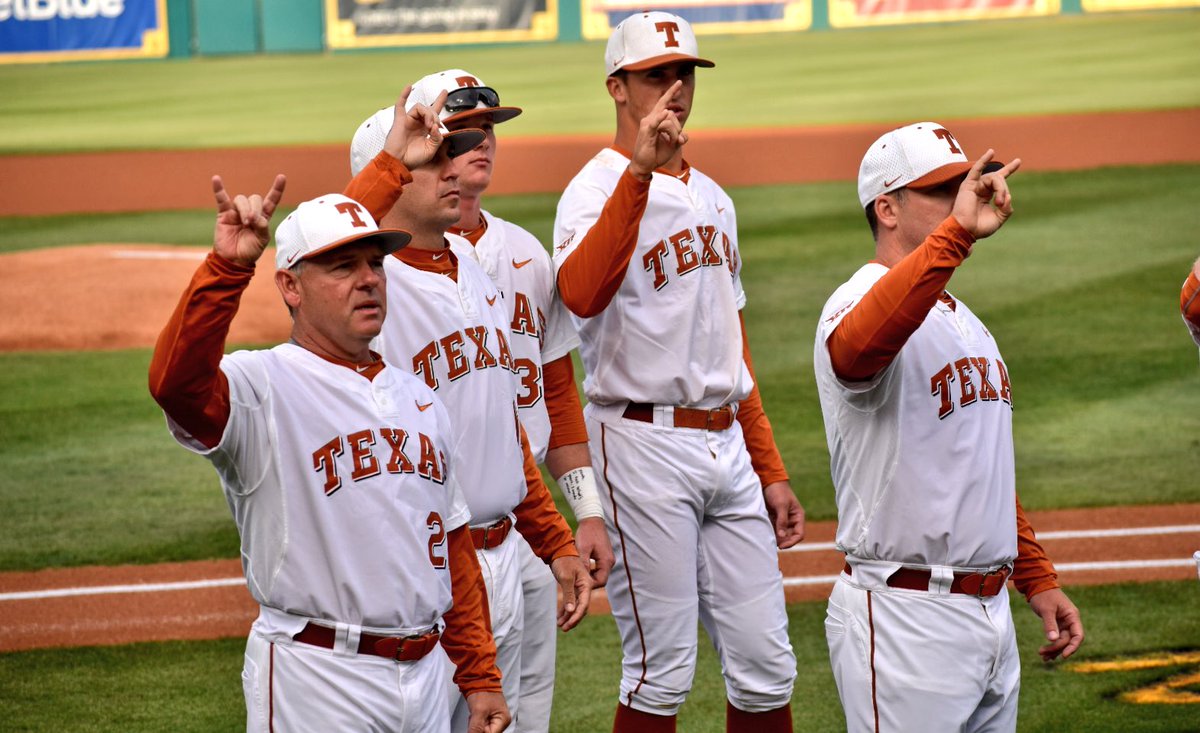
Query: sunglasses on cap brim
{"points": [[468, 98]]}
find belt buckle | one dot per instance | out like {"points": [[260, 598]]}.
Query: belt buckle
{"points": [[974, 578]]}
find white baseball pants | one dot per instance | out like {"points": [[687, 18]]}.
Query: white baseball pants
{"points": [[295, 687], [909, 660], [538, 643], [689, 528]]}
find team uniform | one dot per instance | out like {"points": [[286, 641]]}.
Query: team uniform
{"points": [[342, 487], [919, 629], [665, 376], [540, 332], [450, 325], [1189, 306]]}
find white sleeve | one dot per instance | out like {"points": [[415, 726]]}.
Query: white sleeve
{"points": [[864, 395], [578, 210], [735, 253]]}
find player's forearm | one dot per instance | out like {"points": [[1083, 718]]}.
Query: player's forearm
{"points": [[1032, 570], [378, 185], [872, 334], [538, 519], [590, 277], [756, 428], [185, 375], [467, 638], [567, 427], [1189, 305]]}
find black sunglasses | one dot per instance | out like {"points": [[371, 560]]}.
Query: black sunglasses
{"points": [[468, 98]]}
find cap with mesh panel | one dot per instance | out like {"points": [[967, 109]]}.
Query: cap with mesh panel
{"points": [[921, 155], [326, 223], [651, 38]]}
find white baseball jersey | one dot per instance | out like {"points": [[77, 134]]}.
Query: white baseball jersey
{"points": [[471, 348], [541, 326], [340, 487], [922, 456], [678, 303]]}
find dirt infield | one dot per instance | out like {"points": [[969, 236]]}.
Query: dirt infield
{"points": [[33, 185], [208, 600]]}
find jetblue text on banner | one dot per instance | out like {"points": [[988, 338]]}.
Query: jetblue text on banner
{"points": [[55, 26]]}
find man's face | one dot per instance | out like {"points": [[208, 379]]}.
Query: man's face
{"points": [[342, 294], [922, 210], [431, 201], [641, 90], [475, 167]]}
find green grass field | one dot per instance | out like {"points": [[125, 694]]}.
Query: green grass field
{"points": [[1081, 290], [941, 72]]}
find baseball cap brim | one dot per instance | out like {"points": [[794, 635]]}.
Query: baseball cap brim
{"points": [[949, 172], [498, 114], [389, 241], [663, 60], [462, 141]]}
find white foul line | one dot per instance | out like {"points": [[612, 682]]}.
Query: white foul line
{"points": [[1069, 534], [98, 590], [137, 254]]}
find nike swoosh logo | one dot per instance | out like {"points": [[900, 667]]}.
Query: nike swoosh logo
{"points": [[363, 368], [720, 209], [519, 265], [423, 407], [291, 257], [492, 300], [439, 256], [887, 184]]}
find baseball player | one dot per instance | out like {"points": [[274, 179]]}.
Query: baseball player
{"points": [[694, 491], [338, 473], [917, 402], [542, 337], [1189, 304], [455, 334]]}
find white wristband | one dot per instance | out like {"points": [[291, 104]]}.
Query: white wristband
{"points": [[579, 488]]}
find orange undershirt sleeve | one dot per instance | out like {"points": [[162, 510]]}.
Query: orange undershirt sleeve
{"points": [[562, 403], [873, 332], [378, 185], [756, 428], [185, 371], [538, 519], [1032, 571], [467, 638], [590, 277], [1189, 301]]}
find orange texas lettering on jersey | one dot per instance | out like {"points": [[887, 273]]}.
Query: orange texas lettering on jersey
{"points": [[430, 465], [684, 245], [454, 348], [527, 319], [974, 385]]}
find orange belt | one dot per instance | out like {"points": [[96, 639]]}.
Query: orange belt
{"points": [[401, 649], [685, 417], [493, 535], [982, 585]]}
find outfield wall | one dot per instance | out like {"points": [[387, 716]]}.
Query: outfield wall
{"points": [[39, 31]]}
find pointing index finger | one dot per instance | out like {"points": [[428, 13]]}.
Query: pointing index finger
{"points": [[662, 102]]}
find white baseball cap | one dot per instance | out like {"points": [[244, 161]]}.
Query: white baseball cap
{"points": [[651, 38], [921, 155], [372, 133], [326, 223], [466, 96]]}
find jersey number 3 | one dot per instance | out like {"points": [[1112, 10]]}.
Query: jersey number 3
{"points": [[437, 540]]}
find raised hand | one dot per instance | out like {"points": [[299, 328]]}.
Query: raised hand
{"points": [[416, 134], [243, 226], [974, 209], [660, 136]]}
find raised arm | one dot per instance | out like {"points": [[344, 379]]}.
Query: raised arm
{"points": [[185, 378]]}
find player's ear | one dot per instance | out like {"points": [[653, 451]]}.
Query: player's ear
{"points": [[288, 283], [616, 88], [887, 211]]}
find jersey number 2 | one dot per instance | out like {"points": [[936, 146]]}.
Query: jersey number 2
{"points": [[437, 540]]}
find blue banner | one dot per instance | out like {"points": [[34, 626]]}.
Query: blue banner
{"points": [[49, 30]]}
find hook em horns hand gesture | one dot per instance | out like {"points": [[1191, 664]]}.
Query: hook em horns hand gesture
{"points": [[243, 223], [416, 134], [973, 208]]}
